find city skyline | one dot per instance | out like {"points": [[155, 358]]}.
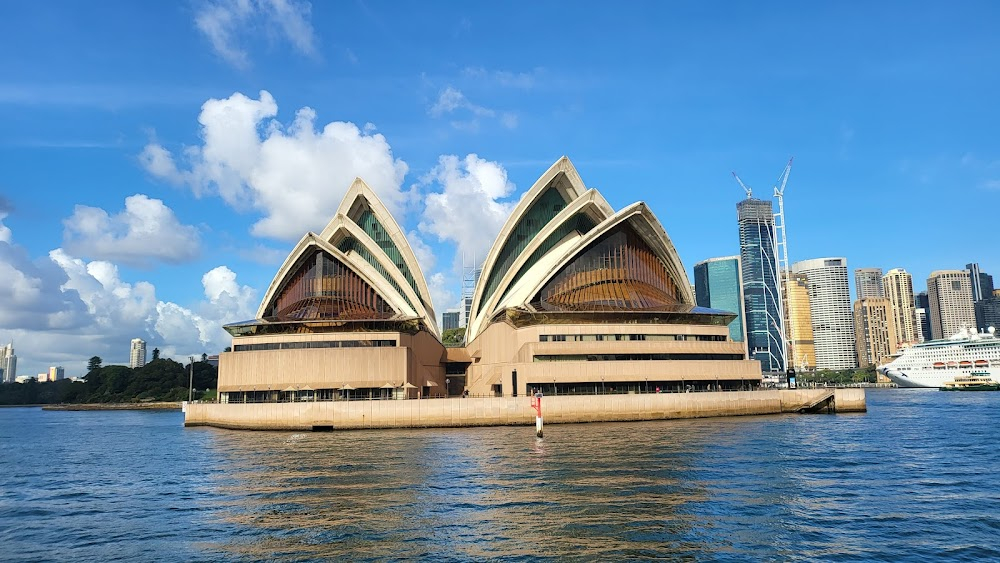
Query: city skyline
{"points": [[130, 206]]}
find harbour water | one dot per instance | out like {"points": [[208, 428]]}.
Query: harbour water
{"points": [[914, 478]]}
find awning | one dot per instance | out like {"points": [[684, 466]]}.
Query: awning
{"points": [[431, 384], [409, 385], [388, 386]]}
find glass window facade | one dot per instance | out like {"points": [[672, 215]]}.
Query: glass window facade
{"points": [[545, 208], [314, 344], [761, 300], [322, 288], [580, 223], [616, 272], [370, 224], [351, 244], [717, 285]]}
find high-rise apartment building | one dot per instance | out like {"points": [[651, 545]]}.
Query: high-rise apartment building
{"points": [[922, 324], [874, 330], [981, 282], [56, 373], [8, 363], [799, 323], [988, 314], [898, 284], [950, 295], [137, 355], [921, 301], [761, 288], [831, 312], [450, 320], [718, 285], [868, 283], [984, 302]]}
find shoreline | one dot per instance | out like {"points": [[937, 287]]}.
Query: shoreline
{"points": [[151, 406]]}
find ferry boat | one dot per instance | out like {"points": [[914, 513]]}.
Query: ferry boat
{"points": [[933, 363], [978, 381]]}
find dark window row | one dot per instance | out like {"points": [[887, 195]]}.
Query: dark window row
{"points": [[630, 337], [318, 344], [632, 357]]}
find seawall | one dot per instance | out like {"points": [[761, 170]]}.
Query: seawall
{"points": [[506, 411]]}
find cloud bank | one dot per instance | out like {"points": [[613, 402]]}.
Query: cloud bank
{"points": [[294, 175]]}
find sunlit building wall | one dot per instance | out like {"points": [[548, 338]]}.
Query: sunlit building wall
{"points": [[831, 311]]}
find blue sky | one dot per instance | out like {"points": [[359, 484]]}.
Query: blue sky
{"points": [[132, 205]]}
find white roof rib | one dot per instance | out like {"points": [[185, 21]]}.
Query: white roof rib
{"points": [[572, 189], [648, 227], [357, 264], [361, 194], [591, 203], [342, 227]]}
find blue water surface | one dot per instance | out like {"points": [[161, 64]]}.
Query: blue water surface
{"points": [[913, 479]]}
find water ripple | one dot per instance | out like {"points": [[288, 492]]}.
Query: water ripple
{"points": [[913, 479]]}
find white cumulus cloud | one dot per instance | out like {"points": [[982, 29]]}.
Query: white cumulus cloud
{"points": [[294, 175], [230, 24], [61, 310], [146, 230], [467, 210]]}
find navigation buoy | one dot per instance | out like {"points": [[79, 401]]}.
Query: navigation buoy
{"points": [[536, 403]]}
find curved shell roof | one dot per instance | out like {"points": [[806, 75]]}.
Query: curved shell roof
{"points": [[556, 222], [365, 238]]}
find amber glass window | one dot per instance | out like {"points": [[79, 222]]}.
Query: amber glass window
{"points": [[374, 228], [617, 272], [350, 244], [324, 288]]}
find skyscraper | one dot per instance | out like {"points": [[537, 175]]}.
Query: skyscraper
{"points": [[950, 296], [56, 373], [868, 283], [922, 324], [761, 297], [988, 314], [875, 333], [799, 323], [830, 308], [450, 320], [982, 283], [898, 284], [8, 363], [137, 355], [718, 285]]}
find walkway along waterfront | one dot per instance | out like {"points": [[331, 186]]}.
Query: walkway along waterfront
{"points": [[507, 411]]}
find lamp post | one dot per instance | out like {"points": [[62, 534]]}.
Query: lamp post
{"points": [[191, 380]]}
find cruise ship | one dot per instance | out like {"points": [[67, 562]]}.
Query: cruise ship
{"points": [[932, 363]]}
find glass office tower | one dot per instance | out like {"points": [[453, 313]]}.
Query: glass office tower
{"points": [[761, 285], [717, 285]]}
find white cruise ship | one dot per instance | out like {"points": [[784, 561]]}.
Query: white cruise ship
{"points": [[932, 363]]}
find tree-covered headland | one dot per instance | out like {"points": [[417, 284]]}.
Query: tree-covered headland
{"points": [[159, 380]]}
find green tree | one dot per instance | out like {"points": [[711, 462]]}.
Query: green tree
{"points": [[453, 336], [94, 363], [156, 354]]}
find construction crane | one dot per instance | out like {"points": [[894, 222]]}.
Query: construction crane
{"points": [[744, 186], [781, 255]]}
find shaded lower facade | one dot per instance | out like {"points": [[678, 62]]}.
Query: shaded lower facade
{"points": [[584, 354], [324, 362]]}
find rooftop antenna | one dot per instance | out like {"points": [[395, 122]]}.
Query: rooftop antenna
{"points": [[744, 186]]}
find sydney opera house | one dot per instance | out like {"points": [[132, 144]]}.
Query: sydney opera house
{"points": [[573, 298]]}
